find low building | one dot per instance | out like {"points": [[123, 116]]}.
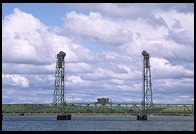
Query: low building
{"points": [[102, 100]]}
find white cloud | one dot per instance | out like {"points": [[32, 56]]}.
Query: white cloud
{"points": [[15, 80], [16, 68], [180, 25], [78, 67], [37, 44], [95, 28], [115, 72], [22, 35], [176, 20], [169, 70], [133, 10]]}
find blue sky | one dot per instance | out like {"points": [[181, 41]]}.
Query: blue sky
{"points": [[49, 14], [103, 43]]}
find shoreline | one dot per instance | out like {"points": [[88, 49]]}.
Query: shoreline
{"points": [[88, 114]]}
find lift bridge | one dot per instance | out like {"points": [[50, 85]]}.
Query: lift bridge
{"points": [[94, 108], [62, 108]]}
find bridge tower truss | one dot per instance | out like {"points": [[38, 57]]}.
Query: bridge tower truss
{"points": [[147, 84], [59, 93], [147, 87]]}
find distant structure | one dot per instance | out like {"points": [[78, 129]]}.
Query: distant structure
{"points": [[102, 101], [147, 86], [59, 80]]}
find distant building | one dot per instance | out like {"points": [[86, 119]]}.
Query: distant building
{"points": [[102, 100]]}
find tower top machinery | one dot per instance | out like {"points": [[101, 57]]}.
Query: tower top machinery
{"points": [[147, 87]]}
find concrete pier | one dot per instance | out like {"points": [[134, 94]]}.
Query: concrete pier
{"points": [[64, 117], [142, 117]]}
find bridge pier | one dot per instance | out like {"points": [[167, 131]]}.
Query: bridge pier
{"points": [[142, 117], [64, 117]]}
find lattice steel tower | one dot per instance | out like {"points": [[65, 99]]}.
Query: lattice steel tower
{"points": [[147, 85], [59, 80]]}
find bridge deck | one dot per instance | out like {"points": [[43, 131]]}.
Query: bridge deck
{"points": [[126, 108]]}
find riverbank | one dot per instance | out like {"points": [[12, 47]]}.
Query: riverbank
{"points": [[89, 114]]}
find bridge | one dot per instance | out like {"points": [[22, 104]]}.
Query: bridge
{"points": [[147, 107], [94, 108]]}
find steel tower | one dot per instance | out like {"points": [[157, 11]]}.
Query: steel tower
{"points": [[147, 86], [59, 80], [59, 94]]}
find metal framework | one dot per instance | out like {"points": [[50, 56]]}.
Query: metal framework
{"points": [[147, 85], [122, 108], [59, 93]]}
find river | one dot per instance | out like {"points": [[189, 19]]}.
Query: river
{"points": [[98, 123]]}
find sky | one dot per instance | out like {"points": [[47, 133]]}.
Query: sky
{"points": [[103, 44]]}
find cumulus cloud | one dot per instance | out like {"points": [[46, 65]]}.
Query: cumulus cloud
{"points": [[95, 28], [170, 71], [131, 10], [15, 80], [29, 50], [180, 31], [35, 44], [22, 35]]}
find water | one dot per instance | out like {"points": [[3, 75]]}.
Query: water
{"points": [[98, 123]]}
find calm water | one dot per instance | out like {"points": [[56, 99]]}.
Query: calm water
{"points": [[98, 123]]}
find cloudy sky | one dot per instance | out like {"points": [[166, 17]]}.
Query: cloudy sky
{"points": [[103, 43]]}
